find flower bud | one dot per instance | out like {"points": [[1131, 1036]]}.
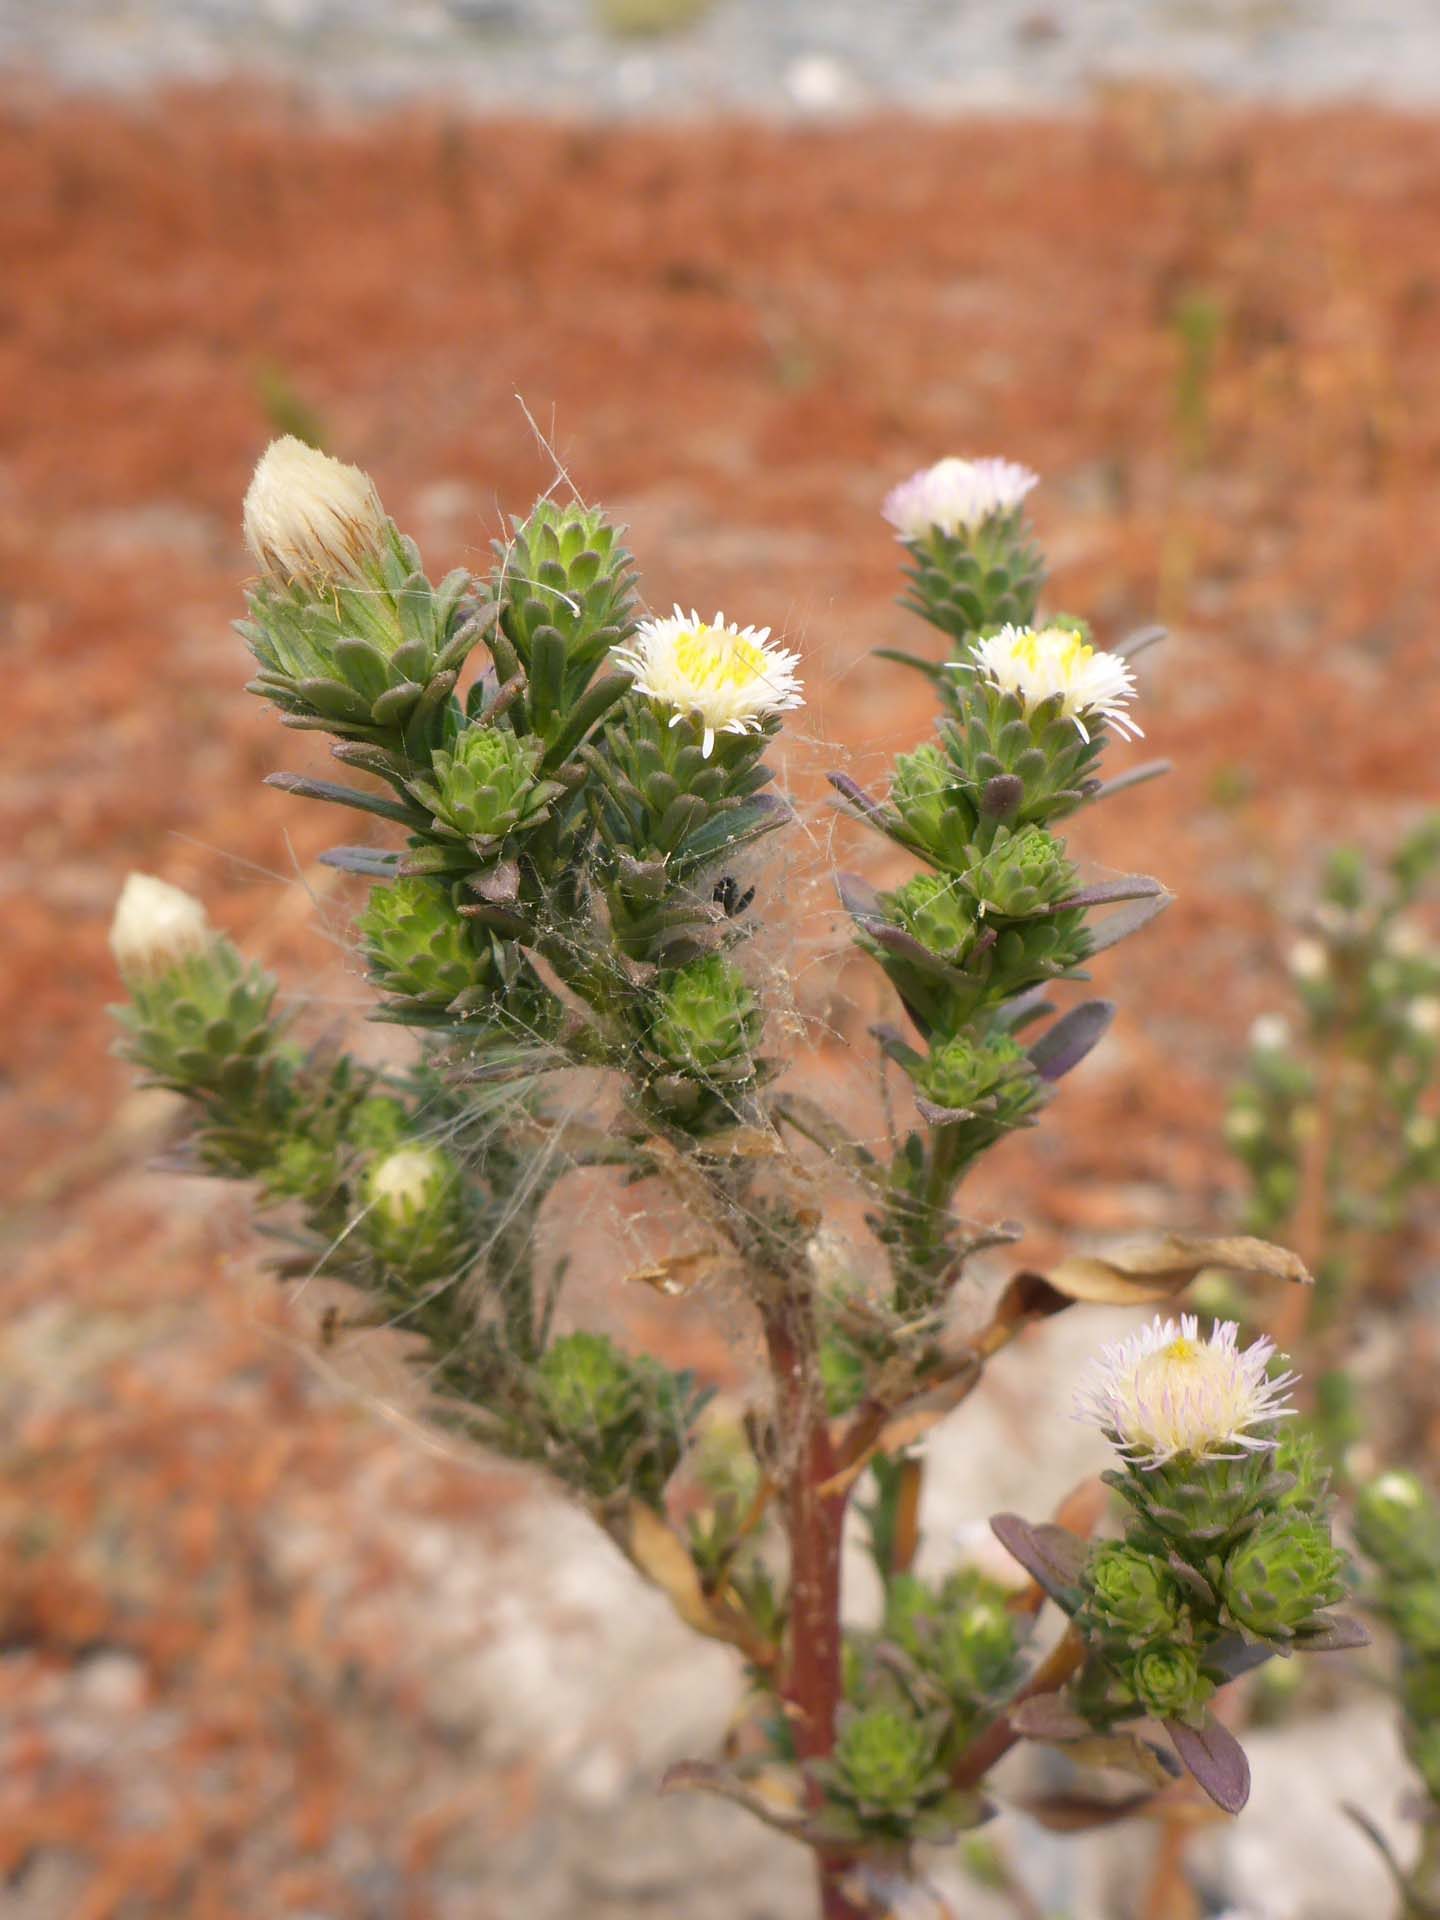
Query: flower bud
{"points": [[885, 1761], [1397, 1524], [1414, 1612], [1167, 1681], [707, 1017], [1131, 1595], [413, 1212], [311, 518], [418, 946], [926, 792], [937, 911], [486, 784], [1280, 1575], [1022, 874], [155, 927], [618, 1421], [994, 1075]]}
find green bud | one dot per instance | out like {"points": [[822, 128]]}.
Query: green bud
{"points": [[418, 946], [302, 1170], [487, 784], [377, 1124], [1021, 875], [619, 1420], [565, 587], [1398, 1525], [936, 912], [206, 1022], [885, 1761], [1167, 1681], [707, 1021], [1130, 1595], [413, 1215], [926, 792], [1414, 1612], [1301, 1453], [1281, 1575], [994, 1076], [976, 1646]]}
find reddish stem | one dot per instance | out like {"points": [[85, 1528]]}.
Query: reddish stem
{"points": [[811, 1682]]}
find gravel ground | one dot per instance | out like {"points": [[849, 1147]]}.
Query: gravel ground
{"points": [[791, 58]]}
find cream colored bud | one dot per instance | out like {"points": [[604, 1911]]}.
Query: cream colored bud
{"points": [[405, 1182], [1423, 1015], [155, 926], [308, 517], [1309, 960], [1270, 1033]]}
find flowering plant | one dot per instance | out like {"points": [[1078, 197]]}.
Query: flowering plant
{"points": [[562, 902]]}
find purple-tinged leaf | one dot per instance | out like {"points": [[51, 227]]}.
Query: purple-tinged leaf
{"points": [[1053, 1558], [498, 884], [1235, 1656], [374, 862], [1116, 927], [1199, 1587], [1215, 1759], [859, 899], [1001, 795], [1045, 1716], [865, 804], [1024, 1009], [1063, 1046], [305, 788], [1138, 641], [941, 1116], [1338, 1633], [1128, 886], [1132, 777]]}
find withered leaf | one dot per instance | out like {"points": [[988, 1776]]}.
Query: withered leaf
{"points": [[1160, 1268]]}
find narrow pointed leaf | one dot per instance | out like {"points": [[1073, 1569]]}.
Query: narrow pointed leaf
{"points": [[1063, 1046], [1053, 1558], [308, 789]]}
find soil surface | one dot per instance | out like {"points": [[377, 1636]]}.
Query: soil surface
{"points": [[250, 1614]]}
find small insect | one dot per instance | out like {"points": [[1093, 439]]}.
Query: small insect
{"points": [[727, 895], [329, 1326]]}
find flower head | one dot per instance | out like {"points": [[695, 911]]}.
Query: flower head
{"points": [[1036, 666], [1165, 1391], [308, 517], [731, 678], [956, 496], [156, 925], [407, 1181]]}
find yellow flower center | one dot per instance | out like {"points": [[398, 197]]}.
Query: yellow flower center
{"points": [[1070, 655], [1182, 1350], [708, 658]]}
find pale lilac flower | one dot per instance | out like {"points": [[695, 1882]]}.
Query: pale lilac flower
{"points": [[1165, 1391], [956, 496], [730, 678]]}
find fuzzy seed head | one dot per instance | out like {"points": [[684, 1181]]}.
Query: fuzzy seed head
{"points": [[155, 926], [730, 678], [956, 496], [308, 517], [1165, 1392], [1036, 666]]}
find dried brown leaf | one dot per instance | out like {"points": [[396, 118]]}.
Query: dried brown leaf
{"points": [[1160, 1268]]}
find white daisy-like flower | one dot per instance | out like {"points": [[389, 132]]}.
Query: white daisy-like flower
{"points": [[156, 926], [308, 517], [1035, 666], [729, 678], [1165, 1391], [956, 496]]}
